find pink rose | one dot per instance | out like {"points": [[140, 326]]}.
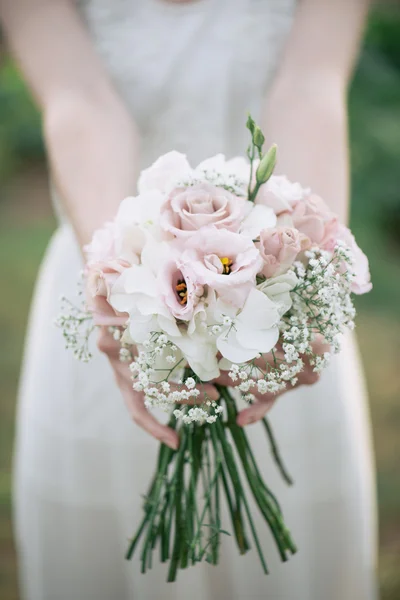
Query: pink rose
{"points": [[361, 283], [225, 261], [313, 218], [280, 194], [103, 244], [100, 277], [189, 209], [279, 248], [180, 293]]}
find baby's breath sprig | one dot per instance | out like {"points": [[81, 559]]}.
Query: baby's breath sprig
{"points": [[321, 305], [152, 377], [77, 325]]}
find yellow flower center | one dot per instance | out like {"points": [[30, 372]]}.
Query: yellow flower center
{"points": [[226, 265], [181, 289]]}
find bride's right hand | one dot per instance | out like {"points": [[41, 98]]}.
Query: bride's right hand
{"points": [[134, 401]]}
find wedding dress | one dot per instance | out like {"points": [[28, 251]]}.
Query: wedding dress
{"points": [[189, 73]]}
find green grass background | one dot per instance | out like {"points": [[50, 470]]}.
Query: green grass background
{"points": [[26, 224]]}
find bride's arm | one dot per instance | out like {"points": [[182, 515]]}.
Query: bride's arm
{"points": [[306, 115], [306, 112], [90, 136]]}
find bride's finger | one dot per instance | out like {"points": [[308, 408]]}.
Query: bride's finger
{"points": [[141, 416], [256, 411]]}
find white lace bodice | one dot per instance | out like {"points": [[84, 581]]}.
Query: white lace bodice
{"points": [[190, 72]]}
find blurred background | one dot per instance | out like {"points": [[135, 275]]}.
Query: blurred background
{"points": [[27, 222]]}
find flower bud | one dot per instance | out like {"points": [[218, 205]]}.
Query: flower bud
{"points": [[250, 124], [258, 137], [267, 165]]}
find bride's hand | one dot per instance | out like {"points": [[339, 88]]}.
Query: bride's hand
{"points": [[264, 402], [134, 401]]}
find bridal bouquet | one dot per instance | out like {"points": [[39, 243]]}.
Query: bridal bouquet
{"points": [[220, 268]]}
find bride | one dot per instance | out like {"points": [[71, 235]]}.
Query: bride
{"points": [[120, 82]]}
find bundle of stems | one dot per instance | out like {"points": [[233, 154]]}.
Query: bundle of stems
{"points": [[182, 514]]}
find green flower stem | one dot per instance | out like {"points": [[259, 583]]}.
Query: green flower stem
{"points": [[253, 194], [155, 500], [207, 500], [236, 516], [179, 524], [262, 495], [196, 440], [275, 452], [236, 512], [260, 499], [164, 458], [208, 489], [234, 474], [215, 538]]}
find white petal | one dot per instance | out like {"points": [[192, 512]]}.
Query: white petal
{"points": [[140, 327], [259, 312], [154, 255], [230, 348], [238, 166], [121, 302], [260, 217], [223, 308], [136, 279], [148, 305], [215, 163], [263, 339], [206, 368], [168, 324], [200, 354], [170, 166], [278, 290]]}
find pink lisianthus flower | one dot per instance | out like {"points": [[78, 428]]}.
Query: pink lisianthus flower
{"points": [[279, 249], [180, 292], [226, 261], [313, 218], [100, 277], [280, 194], [361, 283], [189, 209]]}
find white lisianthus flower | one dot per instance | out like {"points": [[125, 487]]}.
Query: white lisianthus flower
{"points": [[258, 218], [200, 352], [278, 290], [163, 172], [253, 330], [137, 220], [238, 167]]}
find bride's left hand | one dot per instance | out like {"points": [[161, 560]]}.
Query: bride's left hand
{"points": [[263, 402]]}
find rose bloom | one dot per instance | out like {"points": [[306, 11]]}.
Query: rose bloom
{"points": [[361, 283], [225, 261], [280, 194], [279, 248], [313, 218], [100, 277], [189, 209]]}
